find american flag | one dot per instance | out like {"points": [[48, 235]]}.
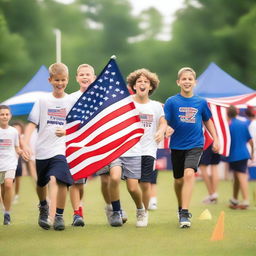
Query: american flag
{"points": [[102, 125], [219, 107]]}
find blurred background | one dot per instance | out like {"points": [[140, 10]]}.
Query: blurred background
{"points": [[159, 35]]}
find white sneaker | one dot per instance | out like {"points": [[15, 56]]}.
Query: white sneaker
{"points": [[142, 218], [108, 212]]}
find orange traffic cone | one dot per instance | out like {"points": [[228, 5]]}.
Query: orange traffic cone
{"points": [[218, 232]]}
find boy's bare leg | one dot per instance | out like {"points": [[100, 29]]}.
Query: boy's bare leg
{"points": [[61, 195], [8, 194], [146, 193], [105, 181], [178, 184], [53, 191], [206, 179], [243, 182], [115, 177], [189, 180], [75, 195], [135, 192]]}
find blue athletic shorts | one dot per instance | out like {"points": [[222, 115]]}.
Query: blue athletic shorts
{"points": [[19, 168], [56, 166], [209, 157], [239, 166], [147, 168]]}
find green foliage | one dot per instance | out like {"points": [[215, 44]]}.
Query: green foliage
{"points": [[93, 30]]}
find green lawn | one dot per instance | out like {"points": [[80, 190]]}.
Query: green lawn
{"points": [[161, 237]]}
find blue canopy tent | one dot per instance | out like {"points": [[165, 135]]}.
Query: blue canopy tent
{"points": [[22, 102], [216, 83]]}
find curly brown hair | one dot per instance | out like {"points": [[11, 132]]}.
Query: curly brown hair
{"points": [[152, 77]]}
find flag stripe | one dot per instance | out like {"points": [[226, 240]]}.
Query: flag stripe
{"points": [[82, 149], [102, 150], [90, 169], [98, 157]]}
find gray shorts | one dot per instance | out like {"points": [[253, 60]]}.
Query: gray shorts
{"points": [[80, 181], [131, 166], [104, 170]]}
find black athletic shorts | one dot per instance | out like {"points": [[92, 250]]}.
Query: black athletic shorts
{"points": [[183, 159]]}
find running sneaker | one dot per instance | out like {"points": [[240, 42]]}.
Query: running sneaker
{"points": [[184, 219], [115, 219], [7, 219], [43, 217], [210, 200], [123, 216], [142, 218], [59, 223], [233, 204], [78, 221]]}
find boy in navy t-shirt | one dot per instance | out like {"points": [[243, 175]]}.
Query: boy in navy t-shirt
{"points": [[186, 113]]}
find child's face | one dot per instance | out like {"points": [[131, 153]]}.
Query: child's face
{"points": [[59, 83], [5, 117], [186, 82], [85, 76], [142, 86]]}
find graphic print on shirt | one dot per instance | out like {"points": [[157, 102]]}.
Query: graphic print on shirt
{"points": [[189, 115], [56, 116], [146, 120], [5, 144]]}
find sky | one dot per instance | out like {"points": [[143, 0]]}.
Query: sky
{"points": [[166, 7]]}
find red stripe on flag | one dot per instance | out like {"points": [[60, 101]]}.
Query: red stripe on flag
{"points": [[90, 169], [114, 130], [100, 150], [72, 129]]}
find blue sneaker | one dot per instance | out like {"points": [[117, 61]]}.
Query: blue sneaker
{"points": [[78, 221], [58, 223], [43, 217], [184, 219], [7, 219]]}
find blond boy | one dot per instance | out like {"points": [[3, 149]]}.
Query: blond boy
{"points": [[49, 115]]}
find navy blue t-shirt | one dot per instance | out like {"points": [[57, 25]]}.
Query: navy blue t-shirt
{"points": [[185, 116]]}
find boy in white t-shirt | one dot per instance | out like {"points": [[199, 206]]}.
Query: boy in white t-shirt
{"points": [[49, 114], [143, 83], [9, 151], [84, 76]]}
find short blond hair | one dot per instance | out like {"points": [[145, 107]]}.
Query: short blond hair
{"points": [[85, 66], [152, 77], [185, 69], [58, 68]]}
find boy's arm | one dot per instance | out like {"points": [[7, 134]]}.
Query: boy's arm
{"points": [[22, 153], [252, 148], [27, 135], [159, 136], [210, 127]]}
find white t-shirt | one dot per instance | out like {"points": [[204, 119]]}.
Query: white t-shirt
{"points": [[9, 139], [49, 113], [150, 114], [74, 97]]}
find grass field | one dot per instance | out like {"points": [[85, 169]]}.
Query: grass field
{"points": [[162, 236]]}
